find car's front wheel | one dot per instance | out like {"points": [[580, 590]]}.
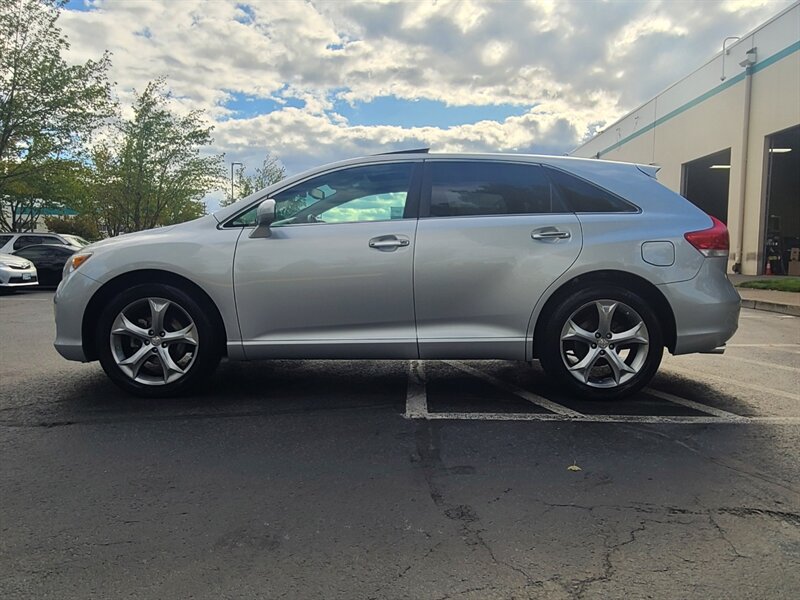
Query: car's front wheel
{"points": [[603, 343], [155, 340]]}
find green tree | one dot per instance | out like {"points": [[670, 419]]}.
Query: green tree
{"points": [[154, 173], [81, 225], [56, 184], [271, 171], [48, 109]]}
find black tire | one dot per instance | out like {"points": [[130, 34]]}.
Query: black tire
{"points": [[206, 354], [552, 357]]}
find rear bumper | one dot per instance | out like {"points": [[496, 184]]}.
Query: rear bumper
{"points": [[706, 309]]}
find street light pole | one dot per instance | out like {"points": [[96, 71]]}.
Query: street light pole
{"points": [[232, 165]]}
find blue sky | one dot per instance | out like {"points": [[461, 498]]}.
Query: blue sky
{"points": [[312, 82]]}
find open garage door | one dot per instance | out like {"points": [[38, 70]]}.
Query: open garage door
{"points": [[706, 181], [782, 221]]}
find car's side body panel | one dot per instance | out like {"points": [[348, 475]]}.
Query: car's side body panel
{"points": [[321, 291], [476, 279]]}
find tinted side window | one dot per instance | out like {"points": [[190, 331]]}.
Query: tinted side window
{"points": [[25, 240], [582, 196], [489, 188], [29, 240], [368, 193], [32, 253], [4, 240]]}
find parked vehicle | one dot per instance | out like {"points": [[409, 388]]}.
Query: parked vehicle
{"points": [[16, 272], [11, 242], [592, 267], [49, 260]]}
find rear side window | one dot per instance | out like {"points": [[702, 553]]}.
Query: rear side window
{"points": [[32, 252], [489, 188], [29, 240], [581, 196], [4, 240]]}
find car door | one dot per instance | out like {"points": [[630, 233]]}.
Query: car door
{"points": [[492, 237], [334, 278], [35, 254], [57, 257]]}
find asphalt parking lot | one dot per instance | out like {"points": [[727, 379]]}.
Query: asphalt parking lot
{"points": [[323, 479]]}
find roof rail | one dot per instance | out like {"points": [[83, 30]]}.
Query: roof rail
{"points": [[412, 151]]}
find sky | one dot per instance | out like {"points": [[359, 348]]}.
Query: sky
{"points": [[316, 81]]}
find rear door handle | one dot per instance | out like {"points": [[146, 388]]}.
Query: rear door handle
{"points": [[551, 235], [388, 242]]}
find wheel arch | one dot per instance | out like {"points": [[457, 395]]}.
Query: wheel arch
{"points": [[635, 283], [131, 278]]}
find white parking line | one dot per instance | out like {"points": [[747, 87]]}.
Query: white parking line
{"points": [[725, 380], [517, 391], [710, 410], [763, 346], [416, 396], [759, 363], [417, 404], [644, 419]]}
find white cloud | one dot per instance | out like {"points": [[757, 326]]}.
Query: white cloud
{"points": [[562, 58]]}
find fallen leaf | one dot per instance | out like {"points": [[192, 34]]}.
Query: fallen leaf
{"points": [[573, 467]]}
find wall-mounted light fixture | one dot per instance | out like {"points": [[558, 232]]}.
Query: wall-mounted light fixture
{"points": [[749, 58]]}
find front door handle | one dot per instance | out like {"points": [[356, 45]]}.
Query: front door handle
{"points": [[552, 234], [388, 243]]}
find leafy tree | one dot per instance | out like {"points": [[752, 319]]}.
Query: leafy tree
{"points": [[271, 171], [56, 184], [48, 109], [83, 225], [154, 172]]}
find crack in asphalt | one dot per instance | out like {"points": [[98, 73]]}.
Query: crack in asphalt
{"points": [[724, 536], [790, 518], [717, 461], [428, 442], [579, 588]]}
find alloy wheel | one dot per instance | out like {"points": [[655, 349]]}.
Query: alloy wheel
{"points": [[154, 341], [604, 343]]}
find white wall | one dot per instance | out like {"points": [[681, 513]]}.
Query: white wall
{"points": [[702, 114]]}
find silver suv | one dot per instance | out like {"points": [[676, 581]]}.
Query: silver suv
{"points": [[592, 267]]}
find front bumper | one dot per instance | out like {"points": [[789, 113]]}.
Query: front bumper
{"points": [[16, 278], [70, 300], [706, 309]]}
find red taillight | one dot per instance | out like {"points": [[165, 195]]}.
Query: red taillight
{"points": [[711, 242]]}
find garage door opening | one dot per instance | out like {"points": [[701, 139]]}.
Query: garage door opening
{"points": [[783, 203], [706, 181]]}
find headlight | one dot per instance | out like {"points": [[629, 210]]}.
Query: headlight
{"points": [[75, 261]]}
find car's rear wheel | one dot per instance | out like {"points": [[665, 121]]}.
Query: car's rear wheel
{"points": [[155, 340], [603, 343]]}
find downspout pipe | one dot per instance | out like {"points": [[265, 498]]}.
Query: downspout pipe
{"points": [[748, 91]]}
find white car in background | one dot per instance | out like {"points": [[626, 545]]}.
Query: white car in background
{"points": [[16, 271], [13, 241]]}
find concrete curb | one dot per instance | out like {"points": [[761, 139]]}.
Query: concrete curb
{"points": [[776, 307]]}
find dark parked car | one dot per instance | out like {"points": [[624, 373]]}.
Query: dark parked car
{"points": [[49, 260]]}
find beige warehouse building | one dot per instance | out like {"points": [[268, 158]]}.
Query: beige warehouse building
{"points": [[727, 137]]}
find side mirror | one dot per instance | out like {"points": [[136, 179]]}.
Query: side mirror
{"points": [[265, 216]]}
